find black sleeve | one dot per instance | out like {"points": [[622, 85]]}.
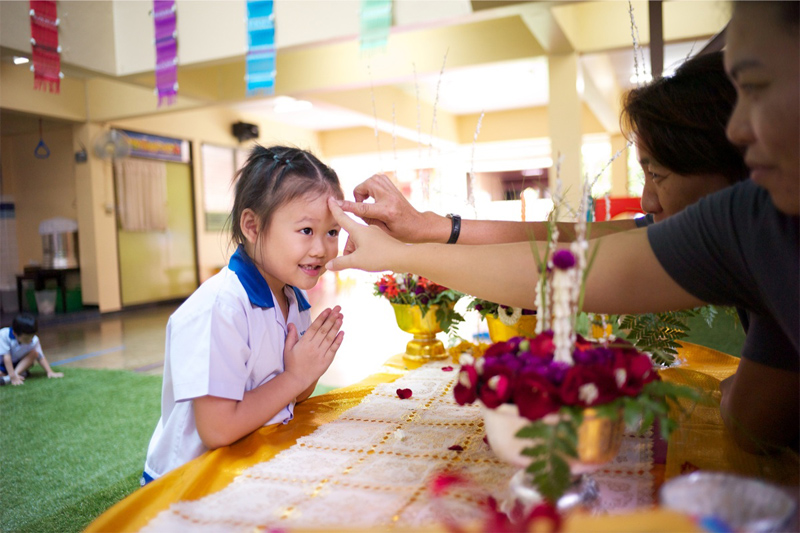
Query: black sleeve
{"points": [[699, 249], [735, 248]]}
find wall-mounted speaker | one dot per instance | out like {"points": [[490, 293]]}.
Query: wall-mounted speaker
{"points": [[244, 131]]}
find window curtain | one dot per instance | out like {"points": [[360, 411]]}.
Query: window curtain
{"points": [[141, 194]]}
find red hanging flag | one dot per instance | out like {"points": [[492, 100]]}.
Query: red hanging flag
{"points": [[44, 40]]}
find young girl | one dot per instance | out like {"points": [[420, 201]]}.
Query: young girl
{"points": [[242, 349]]}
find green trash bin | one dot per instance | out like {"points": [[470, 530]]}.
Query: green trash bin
{"points": [[74, 300]]}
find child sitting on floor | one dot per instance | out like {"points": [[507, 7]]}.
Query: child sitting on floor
{"points": [[20, 348], [242, 350]]}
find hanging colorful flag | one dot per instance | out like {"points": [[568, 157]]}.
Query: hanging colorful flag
{"points": [[260, 62], [376, 21], [46, 60], [164, 18]]}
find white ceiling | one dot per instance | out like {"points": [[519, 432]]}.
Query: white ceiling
{"points": [[481, 88]]}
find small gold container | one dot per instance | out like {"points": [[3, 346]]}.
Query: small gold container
{"points": [[599, 438], [499, 332], [424, 346]]}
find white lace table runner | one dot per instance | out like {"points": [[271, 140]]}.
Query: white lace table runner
{"points": [[372, 466]]}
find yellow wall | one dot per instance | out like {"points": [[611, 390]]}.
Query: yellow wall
{"points": [[213, 125], [97, 226], [42, 188], [160, 265]]}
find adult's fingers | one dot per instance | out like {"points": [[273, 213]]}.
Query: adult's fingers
{"points": [[363, 210], [344, 221], [367, 188], [349, 246]]}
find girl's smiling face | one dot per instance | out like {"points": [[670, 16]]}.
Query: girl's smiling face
{"points": [[300, 239]]}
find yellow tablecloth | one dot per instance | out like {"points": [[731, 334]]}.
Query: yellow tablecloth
{"points": [[701, 443]]}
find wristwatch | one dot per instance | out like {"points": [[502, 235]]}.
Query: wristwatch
{"points": [[455, 229]]}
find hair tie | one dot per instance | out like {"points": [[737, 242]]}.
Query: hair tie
{"points": [[288, 161], [275, 157]]}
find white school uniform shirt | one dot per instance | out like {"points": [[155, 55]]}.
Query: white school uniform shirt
{"points": [[227, 338], [10, 344]]}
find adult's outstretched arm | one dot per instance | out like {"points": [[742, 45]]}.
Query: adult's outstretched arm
{"points": [[625, 276]]}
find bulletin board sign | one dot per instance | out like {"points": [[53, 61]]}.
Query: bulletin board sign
{"points": [[157, 147]]}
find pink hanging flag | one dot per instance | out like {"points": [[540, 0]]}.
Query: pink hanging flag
{"points": [[46, 56], [165, 19]]}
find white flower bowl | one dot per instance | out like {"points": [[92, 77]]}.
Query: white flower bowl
{"points": [[599, 438], [743, 504], [501, 424]]}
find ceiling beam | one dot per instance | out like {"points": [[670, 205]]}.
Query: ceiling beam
{"points": [[656, 23]]}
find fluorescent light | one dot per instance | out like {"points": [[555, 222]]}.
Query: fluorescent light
{"points": [[290, 105], [19, 60]]}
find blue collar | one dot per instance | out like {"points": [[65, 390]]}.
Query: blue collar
{"points": [[254, 283], [11, 334]]}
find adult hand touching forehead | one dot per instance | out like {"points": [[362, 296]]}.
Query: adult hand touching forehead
{"points": [[391, 211], [368, 248]]}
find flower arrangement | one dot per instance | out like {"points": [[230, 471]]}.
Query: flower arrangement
{"points": [[614, 379], [558, 378], [506, 314], [410, 289]]}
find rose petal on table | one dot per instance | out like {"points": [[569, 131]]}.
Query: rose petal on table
{"points": [[456, 448], [404, 394], [447, 369]]}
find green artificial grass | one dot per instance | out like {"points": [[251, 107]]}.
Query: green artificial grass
{"points": [[72, 447]]}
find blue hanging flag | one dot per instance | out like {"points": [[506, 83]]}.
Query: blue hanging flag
{"points": [[260, 61]]}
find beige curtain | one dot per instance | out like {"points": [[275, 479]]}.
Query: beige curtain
{"points": [[141, 194]]}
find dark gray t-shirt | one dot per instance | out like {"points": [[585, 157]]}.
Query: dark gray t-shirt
{"points": [[735, 248]]}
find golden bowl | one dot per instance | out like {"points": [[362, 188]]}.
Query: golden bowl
{"points": [[599, 438], [424, 346], [499, 332]]}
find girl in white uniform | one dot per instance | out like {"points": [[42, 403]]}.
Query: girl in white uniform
{"points": [[242, 350]]}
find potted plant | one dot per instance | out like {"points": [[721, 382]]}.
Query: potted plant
{"points": [[422, 308], [505, 322]]}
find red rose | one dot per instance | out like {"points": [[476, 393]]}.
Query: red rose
{"points": [[496, 391], [631, 373], [466, 390], [499, 348], [588, 385], [542, 345], [536, 397]]}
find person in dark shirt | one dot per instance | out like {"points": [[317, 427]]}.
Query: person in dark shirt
{"points": [[739, 246]]}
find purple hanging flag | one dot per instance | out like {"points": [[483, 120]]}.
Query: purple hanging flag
{"points": [[166, 51]]}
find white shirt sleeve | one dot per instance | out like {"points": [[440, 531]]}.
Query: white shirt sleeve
{"points": [[209, 353]]}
